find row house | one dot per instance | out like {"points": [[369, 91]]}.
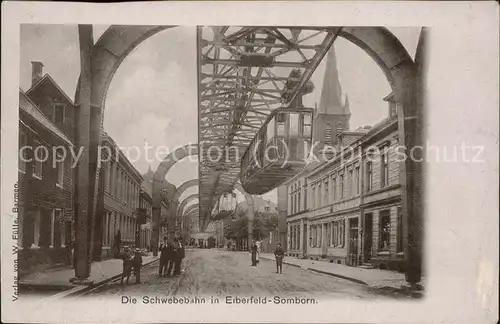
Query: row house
{"points": [[45, 178], [46, 138], [348, 210], [119, 201], [167, 195]]}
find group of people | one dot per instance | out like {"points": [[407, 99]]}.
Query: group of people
{"points": [[279, 254], [171, 254]]}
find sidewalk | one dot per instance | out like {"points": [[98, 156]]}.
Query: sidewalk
{"points": [[374, 278], [58, 280]]}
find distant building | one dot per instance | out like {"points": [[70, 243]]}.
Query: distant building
{"points": [[119, 200], [45, 184], [167, 197], [146, 230]]}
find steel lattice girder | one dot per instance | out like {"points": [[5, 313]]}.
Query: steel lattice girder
{"points": [[242, 72]]}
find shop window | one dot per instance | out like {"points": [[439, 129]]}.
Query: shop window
{"points": [[385, 230]]}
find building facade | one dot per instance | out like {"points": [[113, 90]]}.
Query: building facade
{"points": [[345, 206], [350, 212], [45, 182], [146, 230], [119, 201]]}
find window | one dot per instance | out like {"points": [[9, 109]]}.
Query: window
{"points": [[351, 183], [307, 125], [400, 231], [23, 151], [34, 215], [40, 156], [60, 171], [334, 189], [356, 180], [280, 124], [56, 221], [319, 195], [385, 230], [270, 130], [313, 196], [369, 176], [341, 180], [327, 198], [294, 124], [59, 113], [385, 168], [305, 195], [298, 201]]}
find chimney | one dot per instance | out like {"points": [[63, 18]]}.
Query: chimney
{"points": [[36, 72]]}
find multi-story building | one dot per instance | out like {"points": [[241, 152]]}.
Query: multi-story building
{"points": [[119, 200], [45, 179], [345, 208], [146, 230], [167, 196]]}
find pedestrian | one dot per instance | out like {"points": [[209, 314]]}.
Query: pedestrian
{"points": [[253, 250], [279, 254], [137, 264], [163, 256], [118, 241], [127, 265], [258, 250], [178, 256]]}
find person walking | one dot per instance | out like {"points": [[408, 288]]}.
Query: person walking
{"points": [[179, 255], [163, 256], [258, 243], [127, 265], [253, 250], [137, 264], [279, 254]]}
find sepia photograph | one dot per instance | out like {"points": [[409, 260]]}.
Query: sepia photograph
{"points": [[260, 153], [245, 164]]}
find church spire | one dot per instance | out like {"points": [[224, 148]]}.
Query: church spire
{"points": [[331, 93]]}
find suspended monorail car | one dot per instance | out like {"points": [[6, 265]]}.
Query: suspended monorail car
{"points": [[278, 151], [225, 207]]}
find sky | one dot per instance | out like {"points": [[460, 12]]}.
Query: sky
{"points": [[153, 96]]}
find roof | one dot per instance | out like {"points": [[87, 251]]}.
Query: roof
{"points": [[331, 94], [29, 107], [122, 156], [384, 124], [49, 79]]}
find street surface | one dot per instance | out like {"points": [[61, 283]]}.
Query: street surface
{"points": [[216, 272]]}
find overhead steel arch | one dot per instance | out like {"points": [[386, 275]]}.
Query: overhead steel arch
{"points": [[183, 187], [172, 159], [174, 221], [187, 200], [118, 41], [191, 208]]}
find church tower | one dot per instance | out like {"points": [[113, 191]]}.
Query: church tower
{"points": [[332, 115]]}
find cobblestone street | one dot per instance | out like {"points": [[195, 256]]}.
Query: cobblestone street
{"points": [[220, 273]]}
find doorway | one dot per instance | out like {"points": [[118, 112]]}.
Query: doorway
{"points": [[368, 237], [353, 242]]}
